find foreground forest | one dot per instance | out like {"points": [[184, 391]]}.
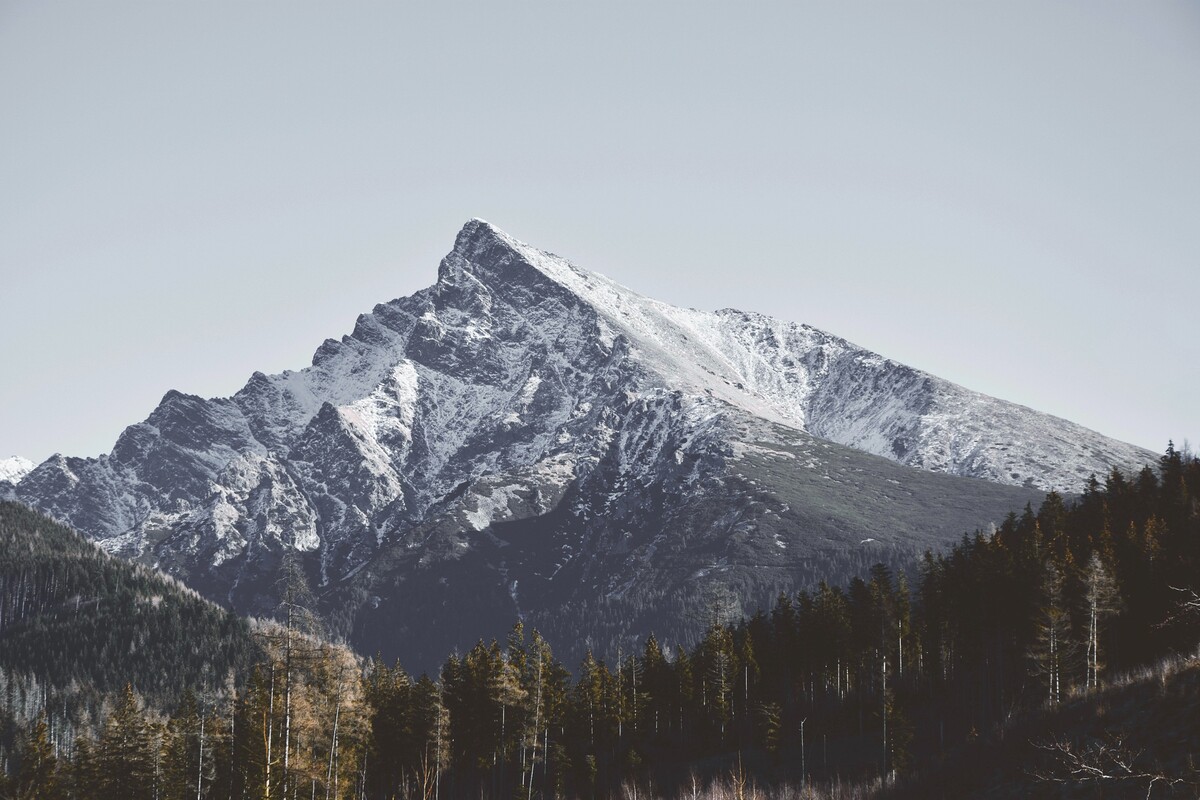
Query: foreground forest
{"points": [[117, 683]]}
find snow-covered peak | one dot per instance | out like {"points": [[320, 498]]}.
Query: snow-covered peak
{"points": [[484, 249], [478, 234], [744, 359], [15, 468], [796, 375], [525, 396]]}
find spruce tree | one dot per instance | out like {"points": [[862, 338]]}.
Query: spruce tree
{"points": [[38, 777], [127, 755]]}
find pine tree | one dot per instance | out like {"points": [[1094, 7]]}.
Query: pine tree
{"points": [[38, 777], [253, 726], [389, 694], [127, 755], [717, 675], [684, 694], [431, 736], [475, 688], [899, 734], [591, 699], [539, 667], [189, 762], [83, 776], [294, 643], [769, 715]]}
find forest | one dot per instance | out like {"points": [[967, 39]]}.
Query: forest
{"points": [[117, 683]]}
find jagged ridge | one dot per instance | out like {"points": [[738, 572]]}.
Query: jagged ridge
{"points": [[521, 387]]}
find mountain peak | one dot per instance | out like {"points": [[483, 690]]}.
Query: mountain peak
{"points": [[479, 240], [14, 469], [526, 418], [484, 254]]}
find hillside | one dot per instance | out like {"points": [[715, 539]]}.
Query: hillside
{"points": [[1136, 738], [783, 511], [76, 622]]}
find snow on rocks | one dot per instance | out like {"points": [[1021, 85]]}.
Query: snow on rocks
{"points": [[15, 468], [514, 377]]}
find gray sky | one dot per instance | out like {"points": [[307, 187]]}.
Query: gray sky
{"points": [[1005, 195]]}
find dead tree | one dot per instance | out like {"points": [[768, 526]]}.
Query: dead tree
{"points": [[1104, 763]]}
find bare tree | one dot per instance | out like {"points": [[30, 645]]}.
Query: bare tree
{"points": [[1104, 763], [1053, 648], [1101, 595], [1189, 602]]}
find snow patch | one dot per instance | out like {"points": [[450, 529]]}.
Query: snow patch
{"points": [[15, 468], [490, 507]]}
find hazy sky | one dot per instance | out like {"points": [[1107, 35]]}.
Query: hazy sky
{"points": [[1007, 196]]}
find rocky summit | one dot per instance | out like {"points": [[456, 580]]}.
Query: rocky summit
{"points": [[529, 440]]}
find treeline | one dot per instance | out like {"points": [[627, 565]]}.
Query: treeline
{"points": [[874, 680]]}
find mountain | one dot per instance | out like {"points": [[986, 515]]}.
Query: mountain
{"points": [[14, 468], [529, 438]]}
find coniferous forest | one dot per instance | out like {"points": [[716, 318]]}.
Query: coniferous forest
{"points": [[116, 682]]}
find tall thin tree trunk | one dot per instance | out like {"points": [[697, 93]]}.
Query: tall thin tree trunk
{"points": [[437, 780], [883, 675], [333, 742], [633, 680], [537, 710], [287, 698], [270, 734], [1054, 664], [200, 769]]}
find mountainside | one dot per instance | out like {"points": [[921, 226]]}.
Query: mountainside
{"points": [[76, 623], [526, 437]]}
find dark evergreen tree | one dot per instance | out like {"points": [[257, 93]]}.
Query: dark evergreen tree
{"points": [[846, 681], [127, 756], [38, 777]]}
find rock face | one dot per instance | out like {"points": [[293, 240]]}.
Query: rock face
{"points": [[529, 438]]}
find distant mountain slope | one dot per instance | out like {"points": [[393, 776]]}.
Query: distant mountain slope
{"points": [[522, 391], [14, 468], [776, 510], [74, 618]]}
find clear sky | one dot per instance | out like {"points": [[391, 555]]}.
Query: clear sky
{"points": [[1004, 194]]}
